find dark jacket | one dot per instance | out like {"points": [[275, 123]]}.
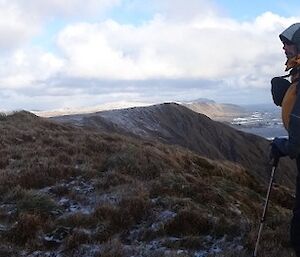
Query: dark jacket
{"points": [[291, 100], [293, 143]]}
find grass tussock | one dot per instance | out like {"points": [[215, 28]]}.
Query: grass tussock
{"points": [[189, 222], [77, 238], [77, 220], [34, 202], [136, 162], [130, 211], [112, 248], [25, 230]]}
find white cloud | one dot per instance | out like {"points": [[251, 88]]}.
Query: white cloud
{"points": [[66, 7], [210, 48], [184, 48], [15, 26], [21, 20], [25, 68], [180, 11]]}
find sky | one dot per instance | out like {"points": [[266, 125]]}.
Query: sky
{"points": [[68, 54]]}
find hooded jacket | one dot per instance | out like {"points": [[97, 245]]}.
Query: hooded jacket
{"points": [[291, 35], [291, 99]]}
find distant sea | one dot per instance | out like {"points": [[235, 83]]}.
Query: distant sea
{"points": [[263, 120]]}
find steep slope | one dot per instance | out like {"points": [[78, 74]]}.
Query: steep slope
{"points": [[176, 124], [67, 191]]}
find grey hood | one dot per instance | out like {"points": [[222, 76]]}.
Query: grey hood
{"points": [[291, 35]]}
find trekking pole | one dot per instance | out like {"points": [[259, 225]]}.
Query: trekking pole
{"points": [[274, 167]]}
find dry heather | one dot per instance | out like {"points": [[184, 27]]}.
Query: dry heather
{"points": [[66, 191]]}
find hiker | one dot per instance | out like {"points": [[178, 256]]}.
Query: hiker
{"points": [[287, 95]]}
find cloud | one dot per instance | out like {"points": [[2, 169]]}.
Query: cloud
{"points": [[181, 11], [25, 68], [70, 92], [211, 48], [66, 8], [15, 27], [20, 20], [185, 50]]}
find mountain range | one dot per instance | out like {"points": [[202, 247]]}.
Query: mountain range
{"points": [[208, 107]]}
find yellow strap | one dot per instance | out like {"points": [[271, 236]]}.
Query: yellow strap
{"points": [[293, 62], [288, 104]]}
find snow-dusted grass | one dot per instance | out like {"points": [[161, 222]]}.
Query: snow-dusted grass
{"points": [[66, 191]]}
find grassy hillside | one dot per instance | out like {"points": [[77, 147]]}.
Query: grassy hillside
{"points": [[67, 191], [174, 124]]}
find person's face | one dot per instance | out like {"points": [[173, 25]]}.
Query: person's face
{"points": [[290, 50]]}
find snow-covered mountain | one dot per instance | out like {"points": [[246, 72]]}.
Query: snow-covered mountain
{"points": [[91, 109], [262, 120], [216, 111]]}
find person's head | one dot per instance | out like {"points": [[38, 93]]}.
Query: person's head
{"points": [[291, 40]]}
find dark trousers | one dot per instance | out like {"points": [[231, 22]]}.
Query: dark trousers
{"points": [[295, 224]]}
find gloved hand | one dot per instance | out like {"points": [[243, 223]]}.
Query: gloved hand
{"points": [[279, 148]]}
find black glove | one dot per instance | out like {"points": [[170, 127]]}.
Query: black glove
{"points": [[279, 148]]}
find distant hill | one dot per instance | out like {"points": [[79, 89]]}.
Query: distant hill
{"points": [[97, 108], [216, 111], [177, 125], [76, 191]]}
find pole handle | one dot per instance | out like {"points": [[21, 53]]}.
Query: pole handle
{"points": [[275, 162]]}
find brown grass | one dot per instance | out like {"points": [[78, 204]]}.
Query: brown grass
{"points": [[77, 220], [189, 222], [187, 242], [26, 229], [34, 202], [112, 248], [145, 177], [135, 161], [112, 178], [130, 211], [77, 238]]}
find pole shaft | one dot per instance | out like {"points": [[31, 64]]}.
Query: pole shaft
{"points": [[265, 210]]}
